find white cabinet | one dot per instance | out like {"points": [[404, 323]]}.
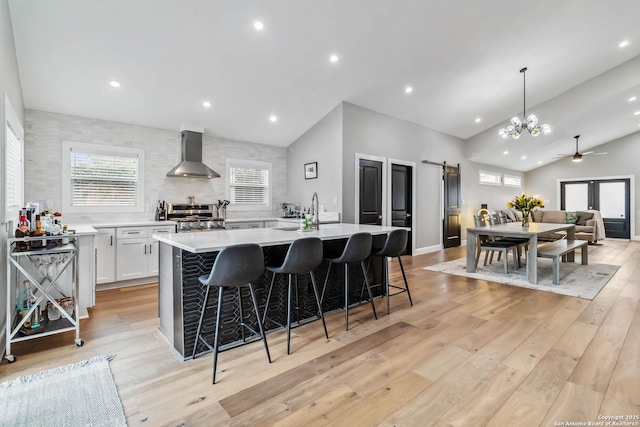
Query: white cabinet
{"points": [[105, 257], [243, 225], [137, 251]]}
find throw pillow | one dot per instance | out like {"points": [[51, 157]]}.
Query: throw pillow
{"points": [[583, 217], [571, 218]]}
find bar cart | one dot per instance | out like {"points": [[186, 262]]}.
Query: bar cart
{"points": [[20, 254]]}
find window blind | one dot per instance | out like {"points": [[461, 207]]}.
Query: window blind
{"points": [[103, 179], [248, 185], [14, 168]]}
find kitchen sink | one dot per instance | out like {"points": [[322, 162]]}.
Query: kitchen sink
{"points": [[286, 228]]}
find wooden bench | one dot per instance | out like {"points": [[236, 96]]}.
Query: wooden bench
{"points": [[560, 248]]}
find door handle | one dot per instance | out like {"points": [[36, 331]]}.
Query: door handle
{"points": [[145, 249], [408, 215], [150, 247], [379, 216], [111, 241]]}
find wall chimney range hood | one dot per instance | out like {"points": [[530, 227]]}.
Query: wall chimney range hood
{"points": [[191, 165]]}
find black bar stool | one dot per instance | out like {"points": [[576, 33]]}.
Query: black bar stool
{"points": [[357, 249], [395, 245], [235, 267], [303, 256]]}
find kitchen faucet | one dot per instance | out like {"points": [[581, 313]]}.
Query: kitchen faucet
{"points": [[315, 211]]}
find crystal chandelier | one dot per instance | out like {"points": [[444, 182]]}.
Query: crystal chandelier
{"points": [[517, 126]]}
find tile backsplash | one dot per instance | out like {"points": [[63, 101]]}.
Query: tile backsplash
{"points": [[45, 131]]}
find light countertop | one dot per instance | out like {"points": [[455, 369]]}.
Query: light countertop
{"points": [[218, 240], [132, 224]]}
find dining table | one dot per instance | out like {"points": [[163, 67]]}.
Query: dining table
{"points": [[515, 229]]}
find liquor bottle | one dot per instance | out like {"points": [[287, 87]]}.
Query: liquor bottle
{"points": [[65, 232], [39, 232], [26, 300], [21, 232], [36, 316]]}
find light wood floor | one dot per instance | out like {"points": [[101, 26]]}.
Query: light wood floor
{"points": [[468, 353]]}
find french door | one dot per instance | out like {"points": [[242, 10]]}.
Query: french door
{"points": [[609, 196]]}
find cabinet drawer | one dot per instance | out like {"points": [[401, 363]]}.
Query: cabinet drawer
{"points": [[131, 232], [161, 230]]}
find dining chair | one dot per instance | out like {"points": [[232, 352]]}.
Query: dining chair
{"points": [[491, 246]]}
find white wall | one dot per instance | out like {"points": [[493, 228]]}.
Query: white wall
{"points": [[621, 160], [371, 133], [45, 131], [323, 144]]}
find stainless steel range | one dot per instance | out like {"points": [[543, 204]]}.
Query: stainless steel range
{"points": [[194, 217]]}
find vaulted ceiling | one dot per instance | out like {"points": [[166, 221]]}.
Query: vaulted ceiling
{"points": [[461, 58]]}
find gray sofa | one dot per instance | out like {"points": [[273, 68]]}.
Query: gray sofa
{"points": [[586, 223]]}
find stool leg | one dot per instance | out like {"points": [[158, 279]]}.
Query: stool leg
{"points": [[260, 327], [325, 283], [244, 338], [385, 275], [315, 292], [366, 280], [204, 307], [289, 302], [406, 284], [346, 296], [215, 340], [266, 305]]}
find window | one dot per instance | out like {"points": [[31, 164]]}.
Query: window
{"points": [[512, 181], [14, 163], [249, 184], [99, 178], [490, 178]]}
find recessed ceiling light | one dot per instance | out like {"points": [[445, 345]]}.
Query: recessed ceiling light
{"points": [[505, 152], [523, 157], [624, 43], [637, 113], [540, 162], [273, 118], [206, 104], [114, 83], [633, 98], [408, 89], [258, 25], [478, 120], [333, 58]]}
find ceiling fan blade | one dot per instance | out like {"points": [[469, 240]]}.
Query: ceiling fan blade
{"points": [[588, 153], [593, 153]]}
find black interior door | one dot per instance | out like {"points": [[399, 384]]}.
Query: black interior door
{"points": [[370, 192], [451, 223], [401, 203]]}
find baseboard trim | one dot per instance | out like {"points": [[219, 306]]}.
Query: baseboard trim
{"points": [[427, 249], [126, 283]]}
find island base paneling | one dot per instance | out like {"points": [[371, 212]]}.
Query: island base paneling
{"points": [[181, 296]]}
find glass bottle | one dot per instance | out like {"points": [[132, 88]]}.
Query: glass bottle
{"points": [[36, 316], [21, 232], [39, 232], [65, 232]]}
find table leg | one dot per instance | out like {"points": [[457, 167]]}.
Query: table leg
{"points": [[571, 235], [471, 251], [532, 260]]}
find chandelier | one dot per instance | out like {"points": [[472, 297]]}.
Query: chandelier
{"points": [[531, 124]]}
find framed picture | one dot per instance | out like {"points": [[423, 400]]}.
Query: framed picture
{"points": [[311, 170]]}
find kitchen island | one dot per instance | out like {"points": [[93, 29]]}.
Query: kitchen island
{"points": [[186, 256]]}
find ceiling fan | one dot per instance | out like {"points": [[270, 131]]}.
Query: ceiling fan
{"points": [[577, 157]]}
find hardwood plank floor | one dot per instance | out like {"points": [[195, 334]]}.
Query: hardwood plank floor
{"points": [[468, 353]]}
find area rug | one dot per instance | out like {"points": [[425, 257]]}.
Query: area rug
{"points": [[583, 281], [81, 394]]}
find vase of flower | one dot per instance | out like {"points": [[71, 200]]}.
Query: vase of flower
{"points": [[526, 205]]}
